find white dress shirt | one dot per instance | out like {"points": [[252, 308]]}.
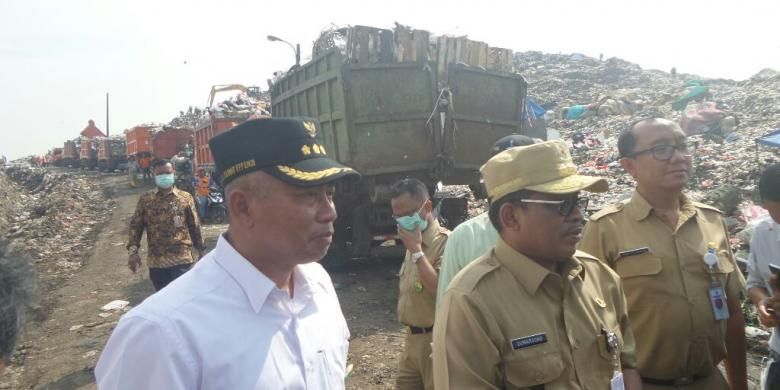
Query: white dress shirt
{"points": [[225, 325], [764, 249]]}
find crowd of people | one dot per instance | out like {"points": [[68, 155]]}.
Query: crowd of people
{"points": [[531, 294]]}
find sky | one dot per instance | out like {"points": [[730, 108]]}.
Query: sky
{"points": [[58, 59]]}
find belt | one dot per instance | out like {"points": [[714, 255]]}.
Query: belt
{"points": [[682, 381], [416, 330]]}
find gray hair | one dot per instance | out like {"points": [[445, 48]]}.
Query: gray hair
{"points": [[18, 284]]}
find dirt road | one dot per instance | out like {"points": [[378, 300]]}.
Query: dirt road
{"points": [[59, 351]]}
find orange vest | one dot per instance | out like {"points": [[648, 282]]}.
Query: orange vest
{"points": [[203, 185]]}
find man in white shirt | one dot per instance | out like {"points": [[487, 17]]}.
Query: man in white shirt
{"points": [[257, 312], [765, 250]]}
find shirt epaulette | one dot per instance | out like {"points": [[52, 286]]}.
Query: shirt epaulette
{"points": [[611, 209], [706, 207]]}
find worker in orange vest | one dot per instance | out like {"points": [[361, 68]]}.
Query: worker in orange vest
{"points": [[146, 167], [202, 184]]}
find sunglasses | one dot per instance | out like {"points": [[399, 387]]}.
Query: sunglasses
{"points": [[564, 207]]}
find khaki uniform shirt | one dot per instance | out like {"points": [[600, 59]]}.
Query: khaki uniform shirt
{"points": [[667, 284], [170, 243], [508, 323], [416, 306]]}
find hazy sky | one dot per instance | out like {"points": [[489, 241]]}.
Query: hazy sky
{"points": [[59, 58]]}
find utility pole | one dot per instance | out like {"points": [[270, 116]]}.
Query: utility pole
{"points": [[107, 128]]}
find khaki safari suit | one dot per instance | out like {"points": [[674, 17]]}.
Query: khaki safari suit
{"points": [[416, 308], [506, 322], [667, 286]]}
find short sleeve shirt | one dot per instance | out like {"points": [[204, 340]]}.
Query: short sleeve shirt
{"points": [[507, 322], [667, 282], [416, 306]]}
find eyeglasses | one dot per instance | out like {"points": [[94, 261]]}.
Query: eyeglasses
{"points": [[666, 152], [565, 207]]}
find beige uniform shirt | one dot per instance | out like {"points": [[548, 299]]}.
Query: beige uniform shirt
{"points": [[416, 306], [508, 323], [667, 284]]}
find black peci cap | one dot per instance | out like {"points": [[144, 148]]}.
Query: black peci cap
{"points": [[290, 149]]}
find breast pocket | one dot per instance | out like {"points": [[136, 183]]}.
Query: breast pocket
{"points": [[640, 273], [331, 363], [531, 367]]}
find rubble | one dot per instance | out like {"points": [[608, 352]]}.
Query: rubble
{"points": [[559, 81], [240, 105], [53, 217]]}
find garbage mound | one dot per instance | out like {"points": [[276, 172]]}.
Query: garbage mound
{"points": [[589, 101], [53, 217]]}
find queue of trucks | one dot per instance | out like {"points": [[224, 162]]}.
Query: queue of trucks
{"points": [[413, 106]]}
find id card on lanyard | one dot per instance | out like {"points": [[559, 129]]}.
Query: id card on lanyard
{"points": [[177, 223], [716, 291]]}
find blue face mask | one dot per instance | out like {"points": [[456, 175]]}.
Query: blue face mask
{"points": [[164, 181], [411, 222]]}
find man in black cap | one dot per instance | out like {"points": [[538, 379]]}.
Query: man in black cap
{"points": [[476, 236], [258, 311]]}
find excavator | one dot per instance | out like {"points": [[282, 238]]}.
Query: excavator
{"points": [[250, 91]]}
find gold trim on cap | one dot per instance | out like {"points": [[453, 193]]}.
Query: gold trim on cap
{"points": [[238, 168], [310, 176]]}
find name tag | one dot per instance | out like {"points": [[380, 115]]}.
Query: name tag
{"points": [[634, 252], [616, 383], [529, 341]]}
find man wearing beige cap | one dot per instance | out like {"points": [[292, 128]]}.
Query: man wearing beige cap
{"points": [[533, 312]]}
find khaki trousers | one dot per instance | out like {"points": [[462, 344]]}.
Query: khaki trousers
{"points": [[715, 381], [415, 368]]}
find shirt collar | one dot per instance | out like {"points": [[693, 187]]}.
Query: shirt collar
{"points": [[639, 208], [254, 283], [430, 233], [528, 272], [174, 191]]}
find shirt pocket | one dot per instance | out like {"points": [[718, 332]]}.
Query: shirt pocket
{"points": [[646, 264], [331, 364], [533, 366]]}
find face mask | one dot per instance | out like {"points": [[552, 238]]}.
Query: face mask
{"points": [[164, 181], [410, 222]]}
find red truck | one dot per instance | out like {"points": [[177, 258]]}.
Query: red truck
{"points": [[203, 133], [70, 153], [88, 153], [157, 142], [112, 152], [56, 156]]}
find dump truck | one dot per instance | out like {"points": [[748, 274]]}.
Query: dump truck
{"points": [[157, 141], [138, 140], [401, 107], [112, 153], [88, 153], [70, 153], [204, 131], [56, 156]]}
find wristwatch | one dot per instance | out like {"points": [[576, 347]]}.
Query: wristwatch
{"points": [[132, 250], [416, 256]]}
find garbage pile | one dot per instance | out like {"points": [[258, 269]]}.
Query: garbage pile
{"points": [[588, 102], [52, 217], [242, 105]]}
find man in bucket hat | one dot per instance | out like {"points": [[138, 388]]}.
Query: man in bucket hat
{"points": [[533, 312], [258, 311]]}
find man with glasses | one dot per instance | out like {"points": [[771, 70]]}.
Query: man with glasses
{"points": [[673, 255], [533, 312], [424, 240]]}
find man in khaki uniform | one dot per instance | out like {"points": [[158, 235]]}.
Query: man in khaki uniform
{"points": [[656, 241], [533, 312], [424, 240]]}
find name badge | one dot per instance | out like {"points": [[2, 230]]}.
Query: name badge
{"points": [[616, 383], [718, 300], [529, 341], [634, 252]]}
